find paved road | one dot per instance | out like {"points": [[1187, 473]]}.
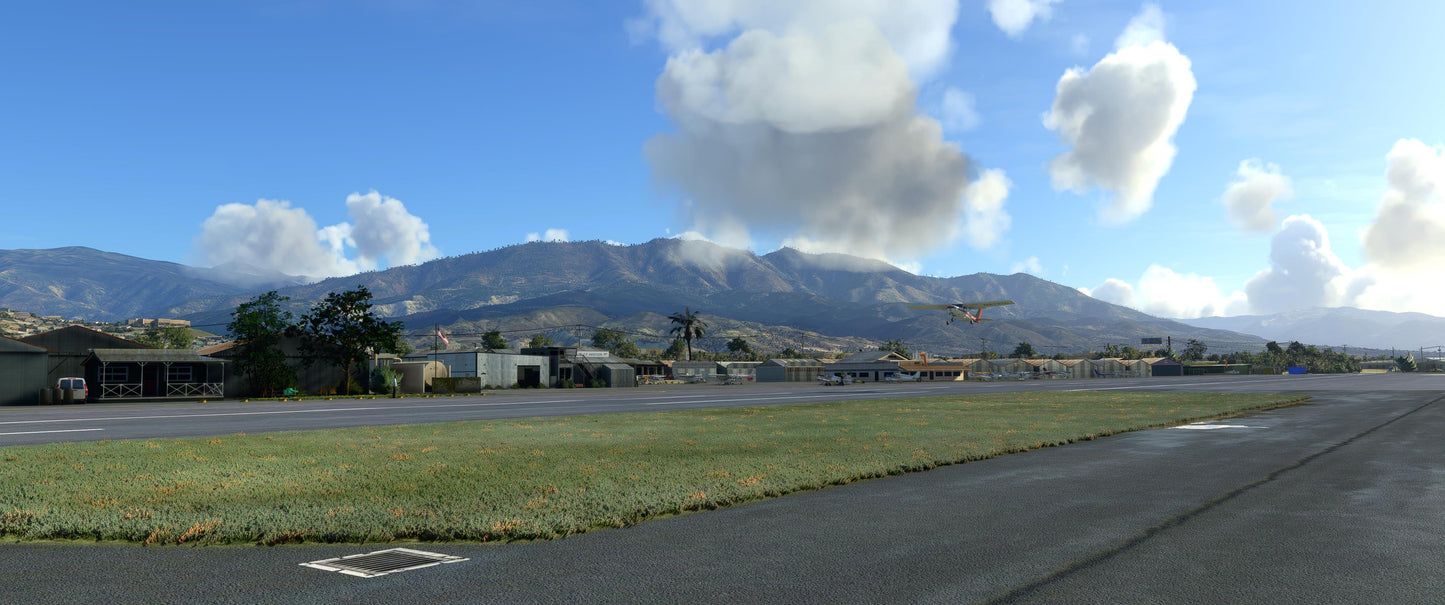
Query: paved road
{"points": [[1336, 501]]}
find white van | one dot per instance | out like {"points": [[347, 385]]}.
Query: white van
{"points": [[82, 392]]}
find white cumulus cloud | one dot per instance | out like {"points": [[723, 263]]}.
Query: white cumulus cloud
{"points": [[1304, 271], [1404, 247], [1163, 292], [917, 30], [798, 121], [271, 236], [383, 230], [1116, 291], [983, 207], [550, 235], [1120, 117], [1031, 266], [1015, 16], [1409, 230], [1250, 198]]}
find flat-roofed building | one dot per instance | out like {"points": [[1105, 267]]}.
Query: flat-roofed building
{"points": [[132, 374]]}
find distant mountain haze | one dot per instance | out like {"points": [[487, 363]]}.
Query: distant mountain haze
{"points": [[104, 286], [784, 298], [1338, 327]]}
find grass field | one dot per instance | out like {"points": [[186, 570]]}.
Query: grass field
{"points": [[533, 478]]}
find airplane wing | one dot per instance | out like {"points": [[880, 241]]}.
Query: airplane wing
{"points": [[973, 305], [985, 305]]}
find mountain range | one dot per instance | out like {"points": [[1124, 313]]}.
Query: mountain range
{"points": [[785, 298], [1338, 326]]}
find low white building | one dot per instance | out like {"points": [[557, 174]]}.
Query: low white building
{"points": [[493, 368]]}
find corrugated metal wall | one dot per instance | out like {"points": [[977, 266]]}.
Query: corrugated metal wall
{"points": [[22, 375]]}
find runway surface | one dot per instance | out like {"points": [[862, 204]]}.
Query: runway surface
{"points": [[1339, 500]]}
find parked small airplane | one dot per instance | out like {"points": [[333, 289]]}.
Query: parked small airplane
{"points": [[960, 310], [835, 379], [902, 377]]}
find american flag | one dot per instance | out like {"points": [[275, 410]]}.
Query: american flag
{"points": [[445, 342]]}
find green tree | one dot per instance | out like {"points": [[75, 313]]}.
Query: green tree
{"points": [[988, 354], [1023, 351], [739, 346], [257, 326], [492, 340], [1194, 350], [540, 340], [616, 343], [167, 338], [342, 329], [688, 325], [790, 353], [896, 346], [675, 351]]}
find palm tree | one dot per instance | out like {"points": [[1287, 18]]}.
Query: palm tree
{"points": [[688, 325]]}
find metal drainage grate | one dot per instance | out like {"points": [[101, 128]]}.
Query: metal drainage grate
{"points": [[382, 562]]}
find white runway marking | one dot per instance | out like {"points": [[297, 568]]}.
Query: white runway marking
{"points": [[1210, 427], [59, 431]]}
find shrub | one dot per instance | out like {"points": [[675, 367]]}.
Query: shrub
{"points": [[381, 379]]}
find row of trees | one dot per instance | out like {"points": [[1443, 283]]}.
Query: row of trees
{"points": [[340, 329], [1277, 358]]}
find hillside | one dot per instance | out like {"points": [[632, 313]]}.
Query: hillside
{"points": [[79, 282], [774, 300]]}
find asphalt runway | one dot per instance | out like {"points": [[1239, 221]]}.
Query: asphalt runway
{"points": [[31, 425], [1339, 500]]}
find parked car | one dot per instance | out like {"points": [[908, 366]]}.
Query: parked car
{"points": [[82, 392]]}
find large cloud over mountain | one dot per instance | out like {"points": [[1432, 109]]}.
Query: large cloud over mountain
{"points": [[271, 236], [1164, 292], [1304, 271], [803, 125], [1120, 117]]}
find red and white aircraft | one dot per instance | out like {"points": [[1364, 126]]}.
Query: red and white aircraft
{"points": [[960, 310]]}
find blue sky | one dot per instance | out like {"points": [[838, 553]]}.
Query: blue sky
{"points": [[932, 134]]}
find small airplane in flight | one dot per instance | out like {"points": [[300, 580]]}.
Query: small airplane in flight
{"points": [[960, 310]]}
